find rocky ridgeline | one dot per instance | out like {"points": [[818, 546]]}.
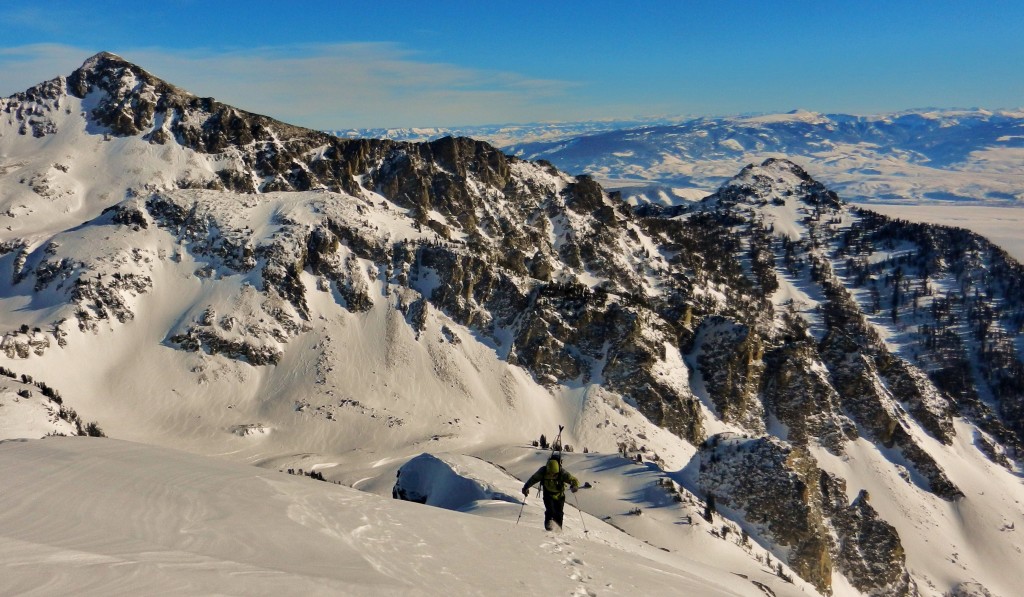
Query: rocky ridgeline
{"points": [[683, 311]]}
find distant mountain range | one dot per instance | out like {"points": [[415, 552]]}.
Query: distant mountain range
{"points": [[917, 156]]}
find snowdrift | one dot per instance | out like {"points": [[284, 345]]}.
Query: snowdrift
{"points": [[449, 482]]}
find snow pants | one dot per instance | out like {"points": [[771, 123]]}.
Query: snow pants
{"points": [[553, 510]]}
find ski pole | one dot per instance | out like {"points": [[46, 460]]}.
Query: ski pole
{"points": [[577, 500], [521, 511]]}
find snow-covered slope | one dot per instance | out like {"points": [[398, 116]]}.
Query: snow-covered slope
{"points": [[1001, 225], [193, 276], [26, 412], [103, 517]]}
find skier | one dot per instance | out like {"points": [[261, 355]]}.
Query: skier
{"points": [[552, 478]]}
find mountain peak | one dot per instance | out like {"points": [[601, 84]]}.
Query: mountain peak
{"points": [[777, 179], [111, 73], [100, 57], [771, 175], [783, 165]]}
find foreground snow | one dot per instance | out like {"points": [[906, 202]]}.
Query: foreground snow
{"points": [[98, 516]]}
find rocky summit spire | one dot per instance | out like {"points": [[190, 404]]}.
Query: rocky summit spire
{"points": [[101, 57], [111, 73], [775, 180]]}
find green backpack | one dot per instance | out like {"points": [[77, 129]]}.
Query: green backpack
{"points": [[552, 482]]}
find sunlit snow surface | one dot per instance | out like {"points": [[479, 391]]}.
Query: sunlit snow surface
{"points": [[107, 517]]}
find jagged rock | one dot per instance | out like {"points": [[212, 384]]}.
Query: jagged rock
{"points": [[871, 404], [969, 589], [211, 341], [102, 297], [321, 249], [775, 486], [912, 387], [21, 345], [798, 393], [129, 214], [868, 551], [730, 360]]}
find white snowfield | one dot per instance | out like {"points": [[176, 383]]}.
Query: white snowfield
{"points": [[1003, 226], [106, 517], [33, 416]]}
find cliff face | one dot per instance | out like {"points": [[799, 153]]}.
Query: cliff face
{"points": [[790, 502], [774, 485], [869, 551]]}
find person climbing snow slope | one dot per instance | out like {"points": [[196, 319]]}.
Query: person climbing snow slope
{"points": [[552, 478]]}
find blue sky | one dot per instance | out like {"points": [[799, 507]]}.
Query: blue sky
{"points": [[367, 64]]}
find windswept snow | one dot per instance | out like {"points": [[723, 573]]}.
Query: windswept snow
{"points": [[978, 537], [103, 517]]}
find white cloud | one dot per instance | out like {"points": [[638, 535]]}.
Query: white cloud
{"points": [[325, 86]]}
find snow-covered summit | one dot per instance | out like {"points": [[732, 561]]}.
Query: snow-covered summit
{"points": [[779, 181], [797, 115], [282, 297]]}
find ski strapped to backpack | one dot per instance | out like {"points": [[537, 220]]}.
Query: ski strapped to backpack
{"points": [[557, 444]]}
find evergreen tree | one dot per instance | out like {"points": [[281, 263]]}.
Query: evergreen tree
{"points": [[709, 508]]}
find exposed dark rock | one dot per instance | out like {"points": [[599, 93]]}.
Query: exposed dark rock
{"points": [[775, 486], [798, 393], [870, 553], [730, 358]]}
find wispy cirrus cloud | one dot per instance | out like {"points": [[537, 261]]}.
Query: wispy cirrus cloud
{"points": [[24, 66], [324, 85]]}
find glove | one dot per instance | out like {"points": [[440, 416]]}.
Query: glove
{"points": [[526, 492]]}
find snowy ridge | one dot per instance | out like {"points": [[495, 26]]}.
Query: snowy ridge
{"points": [[279, 297]]}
